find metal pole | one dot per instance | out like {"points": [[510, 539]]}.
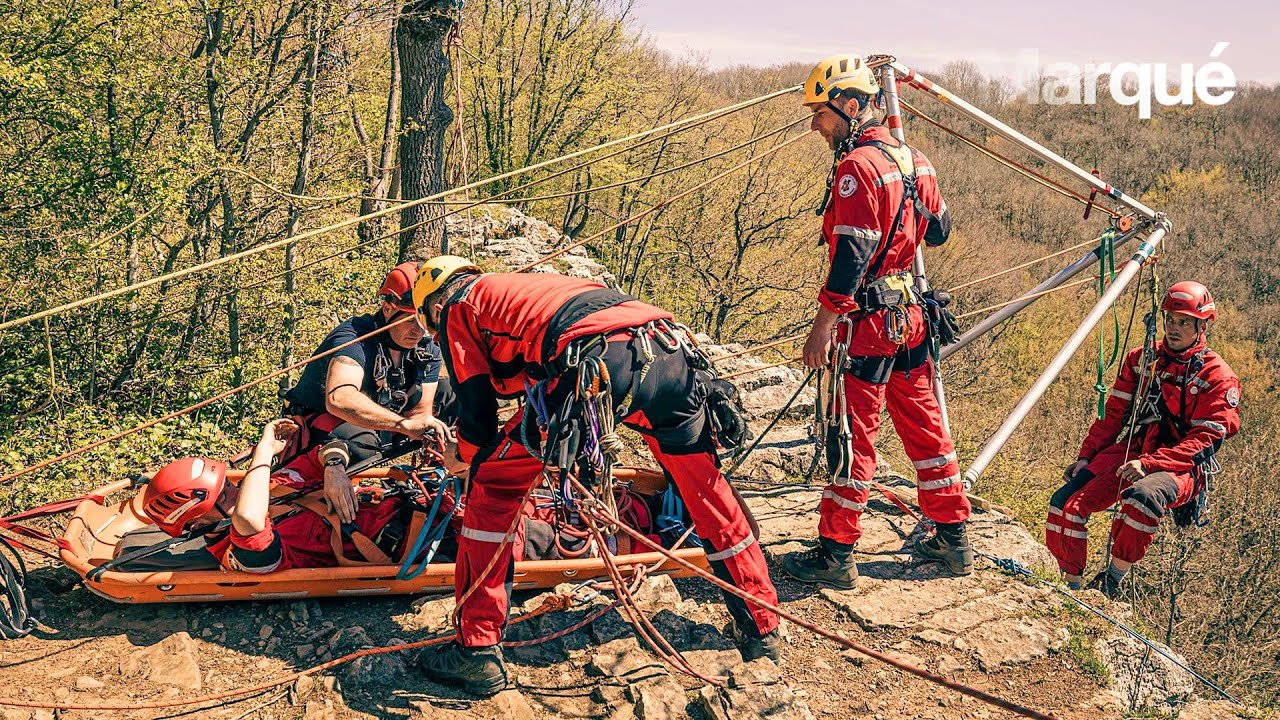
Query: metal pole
{"points": [[893, 118], [1015, 418], [1087, 260], [918, 81]]}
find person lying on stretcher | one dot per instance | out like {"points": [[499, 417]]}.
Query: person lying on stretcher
{"points": [[287, 519], [279, 520]]}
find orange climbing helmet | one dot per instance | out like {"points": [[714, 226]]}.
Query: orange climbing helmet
{"points": [[397, 288], [183, 491], [1190, 298]]}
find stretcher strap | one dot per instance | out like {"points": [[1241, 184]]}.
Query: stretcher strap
{"points": [[370, 553]]}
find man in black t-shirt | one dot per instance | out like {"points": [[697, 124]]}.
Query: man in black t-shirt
{"points": [[377, 395]]}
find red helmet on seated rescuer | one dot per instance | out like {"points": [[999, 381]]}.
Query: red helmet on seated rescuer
{"points": [[183, 491], [397, 288], [1190, 298]]}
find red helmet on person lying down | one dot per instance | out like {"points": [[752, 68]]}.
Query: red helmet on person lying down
{"points": [[182, 491], [397, 288], [1190, 298]]}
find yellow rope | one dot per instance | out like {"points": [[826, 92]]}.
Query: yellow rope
{"points": [[1029, 174], [381, 213], [758, 348], [1027, 264], [663, 203], [1020, 298], [368, 243]]}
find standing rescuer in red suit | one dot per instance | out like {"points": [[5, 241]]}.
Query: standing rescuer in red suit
{"points": [[882, 203], [507, 335], [1172, 405]]}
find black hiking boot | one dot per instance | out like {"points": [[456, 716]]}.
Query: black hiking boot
{"points": [[950, 544], [1107, 584], [479, 670], [753, 647], [830, 563]]}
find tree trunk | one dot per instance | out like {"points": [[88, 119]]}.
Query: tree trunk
{"points": [[300, 177], [424, 119]]}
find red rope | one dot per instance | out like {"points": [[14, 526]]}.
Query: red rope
{"points": [[594, 507], [551, 603]]}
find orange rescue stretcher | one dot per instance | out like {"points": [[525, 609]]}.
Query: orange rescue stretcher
{"points": [[95, 529]]}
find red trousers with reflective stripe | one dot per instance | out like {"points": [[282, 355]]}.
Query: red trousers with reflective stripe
{"points": [[1142, 505], [918, 420], [494, 501]]}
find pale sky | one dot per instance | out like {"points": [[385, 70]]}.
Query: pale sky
{"points": [[926, 34]]}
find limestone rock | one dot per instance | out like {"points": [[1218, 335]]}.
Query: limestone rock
{"points": [[349, 638], [624, 658], [714, 663], [511, 704], [1147, 678], [659, 699], [877, 605], [387, 667], [1013, 641], [657, 593], [319, 710], [172, 661], [505, 234], [84, 683], [758, 702], [431, 614]]}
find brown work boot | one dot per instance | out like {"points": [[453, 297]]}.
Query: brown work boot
{"points": [[477, 670], [949, 544], [830, 563], [1107, 584]]}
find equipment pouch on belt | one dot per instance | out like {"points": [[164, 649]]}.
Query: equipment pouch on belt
{"points": [[896, 290], [943, 322], [727, 415]]}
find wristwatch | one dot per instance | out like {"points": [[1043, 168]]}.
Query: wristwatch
{"points": [[335, 454]]}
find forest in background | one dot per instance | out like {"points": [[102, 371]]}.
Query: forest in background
{"points": [[137, 139]]}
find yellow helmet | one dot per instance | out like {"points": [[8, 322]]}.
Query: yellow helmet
{"points": [[839, 72], [434, 273]]}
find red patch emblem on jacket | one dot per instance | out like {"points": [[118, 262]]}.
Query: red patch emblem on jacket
{"points": [[847, 186], [1233, 396]]}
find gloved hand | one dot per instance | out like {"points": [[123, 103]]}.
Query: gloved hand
{"points": [[727, 415], [945, 325]]}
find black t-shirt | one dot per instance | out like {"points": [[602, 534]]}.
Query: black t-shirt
{"points": [[396, 393]]}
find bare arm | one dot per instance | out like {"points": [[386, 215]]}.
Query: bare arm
{"points": [[344, 399], [426, 404], [250, 514], [817, 348]]}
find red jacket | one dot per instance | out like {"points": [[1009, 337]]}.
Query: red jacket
{"points": [[1197, 414], [865, 196], [493, 332]]}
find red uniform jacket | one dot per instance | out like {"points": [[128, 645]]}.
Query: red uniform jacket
{"points": [[1200, 409], [493, 332], [865, 195]]}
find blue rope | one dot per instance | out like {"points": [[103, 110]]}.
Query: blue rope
{"points": [[430, 536], [671, 519]]}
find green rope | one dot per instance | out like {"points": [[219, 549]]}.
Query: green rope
{"points": [[1106, 274]]}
